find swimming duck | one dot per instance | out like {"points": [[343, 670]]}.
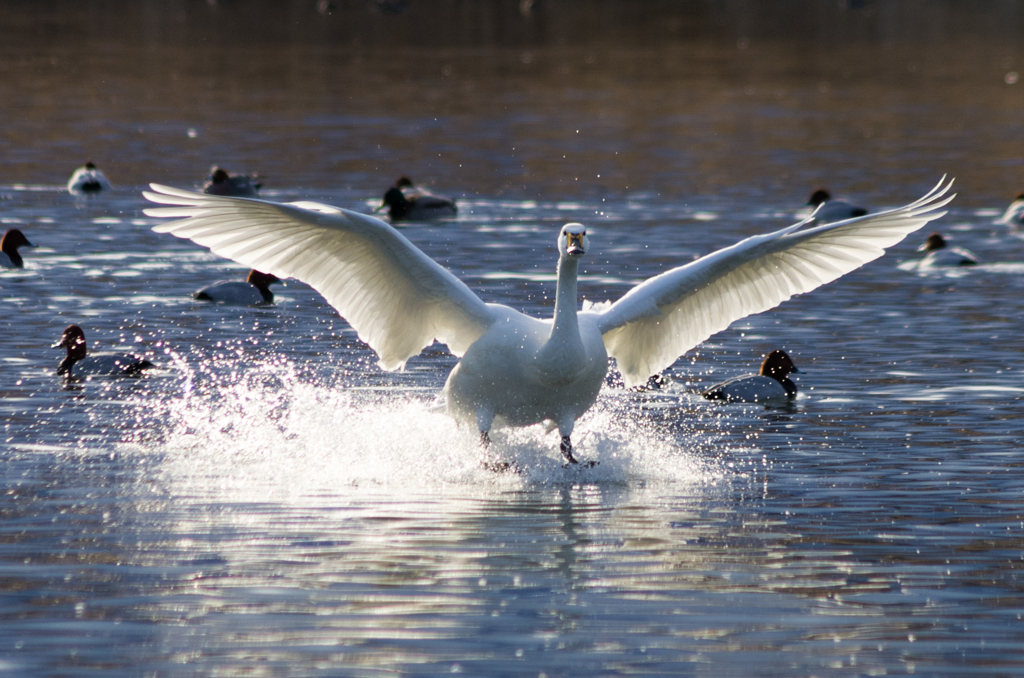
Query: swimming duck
{"points": [[239, 185], [77, 364], [517, 370], [88, 179], [827, 210], [939, 254], [1014, 215], [9, 244], [772, 384], [252, 291], [407, 202]]}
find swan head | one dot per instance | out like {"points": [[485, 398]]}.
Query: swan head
{"points": [[573, 241]]}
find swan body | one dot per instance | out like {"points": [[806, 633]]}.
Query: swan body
{"points": [[77, 364], [525, 371], [10, 257], [771, 385], [239, 185], [940, 254], [252, 291], [88, 179], [827, 210], [516, 369], [408, 202]]}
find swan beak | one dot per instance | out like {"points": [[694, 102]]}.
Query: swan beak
{"points": [[574, 243]]}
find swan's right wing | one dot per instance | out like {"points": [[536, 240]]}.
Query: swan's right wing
{"points": [[397, 298], [662, 318]]}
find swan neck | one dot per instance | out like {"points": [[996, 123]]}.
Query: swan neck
{"points": [[565, 297]]}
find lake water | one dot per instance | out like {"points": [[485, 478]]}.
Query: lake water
{"points": [[270, 503]]}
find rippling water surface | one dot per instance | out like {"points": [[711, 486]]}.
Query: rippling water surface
{"points": [[269, 502]]}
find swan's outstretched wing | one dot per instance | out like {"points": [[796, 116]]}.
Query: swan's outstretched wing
{"points": [[662, 318], [397, 298]]}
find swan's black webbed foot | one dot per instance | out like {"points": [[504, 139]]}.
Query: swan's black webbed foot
{"points": [[573, 462], [567, 450], [498, 466], [491, 464]]}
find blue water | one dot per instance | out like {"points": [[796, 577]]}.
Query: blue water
{"points": [[269, 502]]}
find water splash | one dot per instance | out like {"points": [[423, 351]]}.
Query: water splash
{"points": [[267, 430]]}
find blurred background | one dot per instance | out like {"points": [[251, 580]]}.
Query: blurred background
{"points": [[522, 99]]}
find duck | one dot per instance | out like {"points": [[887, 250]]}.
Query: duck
{"points": [[77, 364], [88, 179], [941, 255], [827, 210], [239, 185], [770, 385], [407, 202], [1014, 215], [10, 257], [514, 369], [253, 291]]}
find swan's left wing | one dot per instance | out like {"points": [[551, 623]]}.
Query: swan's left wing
{"points": [[662, 318], [396, 297]]}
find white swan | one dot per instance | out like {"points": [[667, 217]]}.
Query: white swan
{"points": [[516, 369]]}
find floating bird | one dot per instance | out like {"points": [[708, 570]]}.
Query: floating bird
{"points": [[827, 210], [517, 370], [407, 202], [88, 179], [1014, 215], [771, 385], [238, 185], [77, 364], [9, 244], [940, 254], [252, 291]]}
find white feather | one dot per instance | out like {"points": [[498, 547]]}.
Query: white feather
{"points": [[396, 298], [662, 318]]}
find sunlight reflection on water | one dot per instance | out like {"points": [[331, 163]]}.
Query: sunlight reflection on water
{"points": [[268, 502]]}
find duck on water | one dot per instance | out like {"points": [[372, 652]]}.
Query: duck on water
{"points": [[769, 386], [220, 182], [253, 291], [827, 210], [78, 364], [12, 240], [407, 202], [517, 370], [88, 179], [940, 254]]}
